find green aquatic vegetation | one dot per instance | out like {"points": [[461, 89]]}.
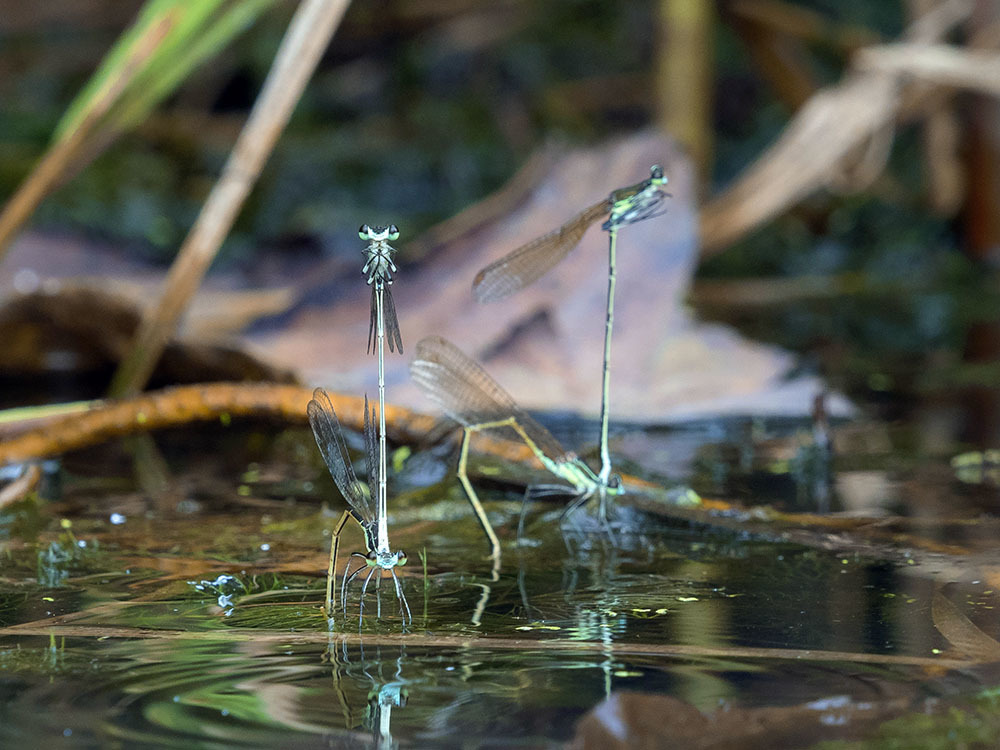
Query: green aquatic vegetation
{"points": [[63, 555], [51, 659], [970, 726], [22, 520]]}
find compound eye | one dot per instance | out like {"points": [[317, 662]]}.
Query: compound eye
{"points": [[400, 558], [363, 232], [615, 482], [656, 172], [373, 555], [393, 232]]}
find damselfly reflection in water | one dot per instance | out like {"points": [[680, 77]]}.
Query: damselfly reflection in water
{"points": [[467, 394], [363, 509], [529, 262], [383, 692]]}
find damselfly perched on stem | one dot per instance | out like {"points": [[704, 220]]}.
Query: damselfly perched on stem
{"points": [[529, 262], [382, 324], [467, 394], [364, 507], [368, 512]]}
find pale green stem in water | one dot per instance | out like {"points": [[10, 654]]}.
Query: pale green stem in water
{"points": [[383, 526], [605, 474]]}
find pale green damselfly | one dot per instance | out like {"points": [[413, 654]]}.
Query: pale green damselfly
{"points": [[370, 515], [529, 262], [467, 394]]}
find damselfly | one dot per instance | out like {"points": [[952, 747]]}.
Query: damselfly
{"points": [[364, 509], [467, 394], [382, 321], [529, 262]]}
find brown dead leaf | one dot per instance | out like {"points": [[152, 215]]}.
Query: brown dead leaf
{"points": [[545, 344]]}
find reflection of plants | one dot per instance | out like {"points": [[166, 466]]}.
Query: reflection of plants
{"points": [[60, 556], [47, 660]]}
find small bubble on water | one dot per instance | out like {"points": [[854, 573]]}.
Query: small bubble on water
{"points": [[67, 732], [117, 519], [265, 547]]}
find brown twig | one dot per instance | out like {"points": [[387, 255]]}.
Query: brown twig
{"points": [[20, 487], [307, 37], [941, 135], [194, 403]]}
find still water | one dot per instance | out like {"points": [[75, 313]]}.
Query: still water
{"points": [[188, 616]]}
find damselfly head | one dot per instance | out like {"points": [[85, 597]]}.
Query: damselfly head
{"points": [[379, 233]]}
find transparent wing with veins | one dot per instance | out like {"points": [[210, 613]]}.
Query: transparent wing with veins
{"points": [[470, 396], [390, 322], [530, 262], [330, 439]]}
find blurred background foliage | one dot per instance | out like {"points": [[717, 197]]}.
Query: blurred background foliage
{"points": [[444, 102], [420, 109]]}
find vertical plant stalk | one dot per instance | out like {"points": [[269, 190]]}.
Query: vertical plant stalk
{"points": [[942, 145], [684, 76], [62, 155], [609, 322], [307, 37]]}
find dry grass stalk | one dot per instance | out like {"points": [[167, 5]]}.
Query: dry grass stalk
{"points": [[307, 37], [832, 130], [942, 64], [941, 134]]}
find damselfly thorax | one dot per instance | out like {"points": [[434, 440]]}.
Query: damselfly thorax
{"points": [[379, 253]]}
